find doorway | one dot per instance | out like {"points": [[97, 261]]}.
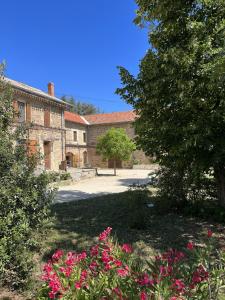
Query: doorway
{"points": [[111, 164], [47, 155]]}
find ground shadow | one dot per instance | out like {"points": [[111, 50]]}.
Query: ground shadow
{"points": [[78, 224], [70, 196]]}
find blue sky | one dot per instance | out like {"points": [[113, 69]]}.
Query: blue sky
{"points": [[75, 44]]}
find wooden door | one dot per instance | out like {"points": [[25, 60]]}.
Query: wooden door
{"points": [[111, 164], [47, 155]]}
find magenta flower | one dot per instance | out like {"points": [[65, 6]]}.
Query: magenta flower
{"points": [[122, 272], [143, 296], [57, 255], [209, 233], [190, 246], [104, 235], [127, 248]]}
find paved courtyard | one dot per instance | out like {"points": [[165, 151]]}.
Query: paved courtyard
{"points": [[103, 184]]}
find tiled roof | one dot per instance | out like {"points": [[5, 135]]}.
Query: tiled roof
{"points": [[115, 117], [72, 117], [31, 90]]}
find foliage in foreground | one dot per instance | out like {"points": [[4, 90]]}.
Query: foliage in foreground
{"points": [[24, 197], [110, 271]]}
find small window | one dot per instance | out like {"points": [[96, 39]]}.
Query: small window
{"points": [[84, 137], [75, 136], [21, 111]]}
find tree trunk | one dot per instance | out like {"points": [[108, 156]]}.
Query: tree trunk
{"points": [[114, 164], [219, 174]]}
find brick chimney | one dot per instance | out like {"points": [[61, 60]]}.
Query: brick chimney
{"points": [[51, 89]]}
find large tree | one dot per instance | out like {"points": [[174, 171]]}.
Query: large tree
{"points": [[115, 144], [80, 107], [179, 92]]}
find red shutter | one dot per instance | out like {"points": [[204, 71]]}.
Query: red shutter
{"points": [[28, 112], [47, 117]]}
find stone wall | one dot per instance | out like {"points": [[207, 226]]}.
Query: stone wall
{"points": [[57, 139], [55, 134], [137, 157], [80, 129]]}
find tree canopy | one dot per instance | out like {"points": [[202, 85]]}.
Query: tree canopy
{"points": [[179, 92], [116, 145], [81, 108]]}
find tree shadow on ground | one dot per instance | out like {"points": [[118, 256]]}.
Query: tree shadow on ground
{"points": [[78, 224]]}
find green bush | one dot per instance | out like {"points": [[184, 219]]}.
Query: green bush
{"points": [[136, 204], [53, 176], [24, 198], [65, 176]]}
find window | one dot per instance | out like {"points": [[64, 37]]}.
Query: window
{"points": [[75, 136], [84, 137], [21, 111]]}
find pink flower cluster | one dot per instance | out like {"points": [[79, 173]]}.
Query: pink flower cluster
{"points": [[81, 273]]}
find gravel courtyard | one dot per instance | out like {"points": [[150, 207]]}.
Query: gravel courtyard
{"points": [[103, 184]]}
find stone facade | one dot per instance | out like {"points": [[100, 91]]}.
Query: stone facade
{"points": [[64, 138], [44, 116], [80, 153], [137, 157]]}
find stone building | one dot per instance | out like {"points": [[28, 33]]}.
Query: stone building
{"points": [[44, 115], [64, 138], [82, 133]]}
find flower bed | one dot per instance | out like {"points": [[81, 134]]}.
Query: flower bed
{"points": [[110, 271]]}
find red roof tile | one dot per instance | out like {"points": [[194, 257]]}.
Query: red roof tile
{"points": [[72, 117], [115, 117]]}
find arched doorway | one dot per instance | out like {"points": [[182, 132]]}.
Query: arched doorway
{"points": [[69, 159], [85, 158]]}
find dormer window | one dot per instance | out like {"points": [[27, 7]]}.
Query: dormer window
{"points": [[21, 111]]}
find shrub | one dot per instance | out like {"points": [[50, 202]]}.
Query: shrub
{"points": [[111, 271], [65, 176], [53, 176], [24, 198]]}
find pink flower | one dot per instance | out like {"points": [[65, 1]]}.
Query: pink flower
{"points": [[190, 246], [209, 233], [178, 285], [127, 248], [94, 250], [103, 236], [57, 255], [48, 268], [82, 256], [117, 291], [51, 295], [54, 283], [117, 263], [144, 280], [66, 271], [199, 275], [70, 260], [93, 266], [78, 285], [83, 275], [143, 296], [122, 272]]}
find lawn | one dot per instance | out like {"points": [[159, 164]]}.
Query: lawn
{"points": [[77, 225]]}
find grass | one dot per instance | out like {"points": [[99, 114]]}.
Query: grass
{"points": [[77, 225]]}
